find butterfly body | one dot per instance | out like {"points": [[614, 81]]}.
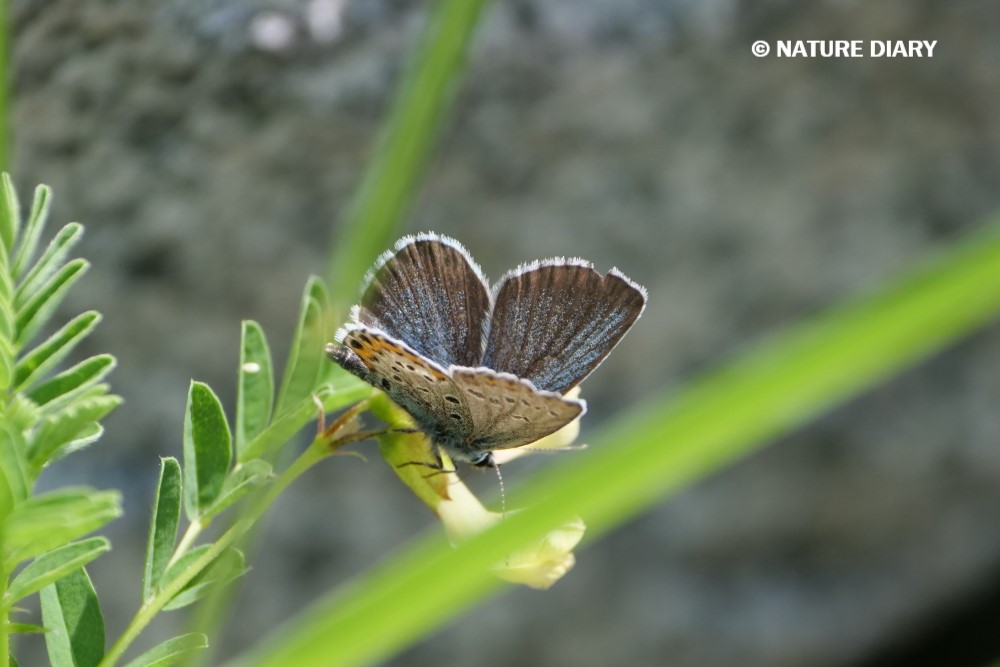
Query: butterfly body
{"points": [[480, 370]]}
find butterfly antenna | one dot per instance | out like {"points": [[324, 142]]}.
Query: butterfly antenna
{"points": [[503, 496]]}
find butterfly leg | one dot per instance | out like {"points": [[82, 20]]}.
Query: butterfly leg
{"points": [[437, 466]]}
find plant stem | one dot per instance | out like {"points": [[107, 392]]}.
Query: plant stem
{"points": [[404, 146], [190, 535], [317, 451], [4, 612]]}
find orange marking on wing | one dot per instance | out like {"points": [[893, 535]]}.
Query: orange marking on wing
{"points": [[378, 344]]}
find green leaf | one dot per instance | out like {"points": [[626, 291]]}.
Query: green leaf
{"points": [[53, 566], [33, 230], [58, 431], [162, 525], [6, 300], [46, 356], [72, 618], [284, 427], [305, 357], [170, 651], [10, 213], [53, 257], [85, 374], [50, 520], [14, 482], [250, 475], [72, 397], [207, 449], [255, 395], [13, 662], [657, 449], [229, 565], [40, 307], [89, 434], [7, 355]]}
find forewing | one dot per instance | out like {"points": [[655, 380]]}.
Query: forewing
{"points": [[553, 323], [509, 412], [417, 385], [429, 294]]}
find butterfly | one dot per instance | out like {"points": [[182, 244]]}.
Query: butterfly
{"points": [[482, 369]]}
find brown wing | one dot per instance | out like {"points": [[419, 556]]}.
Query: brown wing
{"points": [[429, 294], [509, 412], [554, 322]]}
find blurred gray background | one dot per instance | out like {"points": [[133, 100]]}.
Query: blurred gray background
{"points": [[210, 146]]}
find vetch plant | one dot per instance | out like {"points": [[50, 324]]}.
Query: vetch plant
{"points": [[229, 475], [47, 414]]}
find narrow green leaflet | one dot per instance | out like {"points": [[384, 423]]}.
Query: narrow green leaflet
{"points": [[162, 525], [306, 353], [250, 475], [85, 374], [60, 430], [53, 566], [10, 213], [89, 434], [14, 482], [207, 449], [170, 651], [290, 423], [50, 261], [72, 617], [228, 566], [37, 311], [7, 355], [53, 519], [21, 414], [72, 397], [47, 355], [255, 394], [33, 230], [319, 293]]}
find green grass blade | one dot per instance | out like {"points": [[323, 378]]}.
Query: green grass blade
{"points": [[657, 449], [392, 176]]}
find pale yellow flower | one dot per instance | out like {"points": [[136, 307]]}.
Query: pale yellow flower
{"points": [[538, 565]]}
